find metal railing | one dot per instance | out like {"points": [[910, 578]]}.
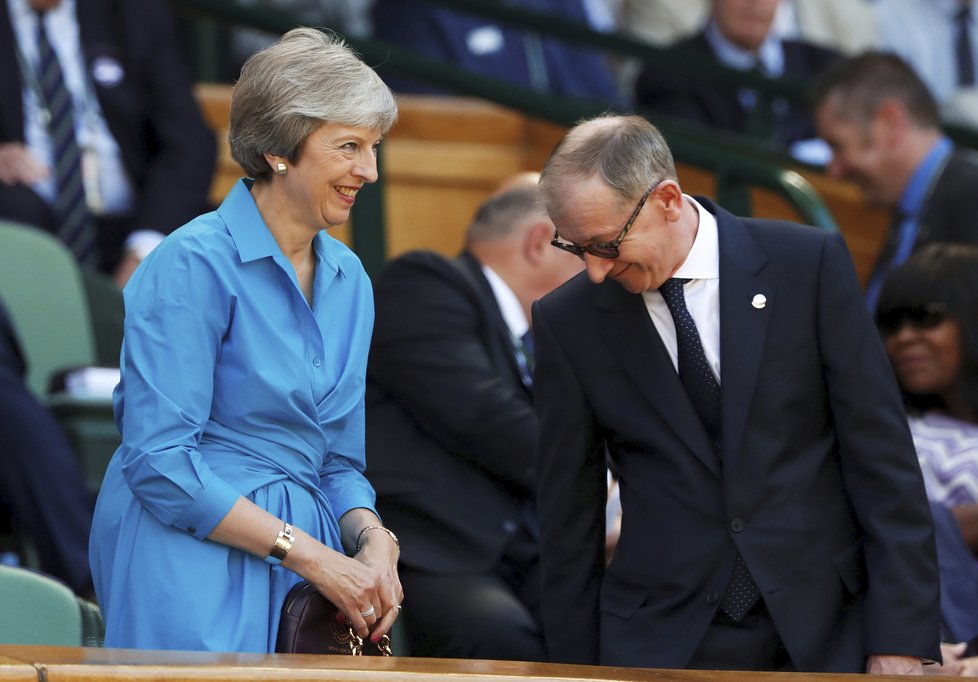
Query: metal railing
{"points": [[737, 165]]}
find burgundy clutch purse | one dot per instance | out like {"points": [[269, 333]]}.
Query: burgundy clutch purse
{"points": [[308, 626]]}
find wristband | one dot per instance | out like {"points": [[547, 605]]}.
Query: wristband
{"points": [[283, 543]]}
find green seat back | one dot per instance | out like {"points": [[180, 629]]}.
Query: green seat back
{"points": [[36, 609], [41, 287]]}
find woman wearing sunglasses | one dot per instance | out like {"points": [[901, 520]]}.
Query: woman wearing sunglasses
{"points": [[928, 318]]}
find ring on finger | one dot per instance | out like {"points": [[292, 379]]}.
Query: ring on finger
{"points": [[369, 612]]}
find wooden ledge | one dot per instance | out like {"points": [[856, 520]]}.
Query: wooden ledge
{"points": [[77, 664]]}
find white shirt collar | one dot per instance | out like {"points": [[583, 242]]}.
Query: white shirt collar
{"points": [[770, 55], [509, 304], [703, 261]]}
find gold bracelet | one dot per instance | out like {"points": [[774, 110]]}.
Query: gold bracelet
{"points": [[283, 543], [386, 530]]}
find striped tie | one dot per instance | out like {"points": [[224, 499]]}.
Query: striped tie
{"points": [[75, 225]]}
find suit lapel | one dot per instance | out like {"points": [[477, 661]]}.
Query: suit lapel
{"points": [[630, 334], [498, 329], [744, 318]]}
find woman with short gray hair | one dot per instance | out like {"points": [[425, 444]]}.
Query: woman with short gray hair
{"points": [[241, 400]]}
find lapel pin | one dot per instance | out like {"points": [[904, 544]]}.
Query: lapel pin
{"points": [[759, 301]]}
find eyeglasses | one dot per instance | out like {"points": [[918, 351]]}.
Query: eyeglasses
{"points": [[604, 249], [927, 316]]}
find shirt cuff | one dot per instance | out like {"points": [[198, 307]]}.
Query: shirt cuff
{"points": [[212, 505]]}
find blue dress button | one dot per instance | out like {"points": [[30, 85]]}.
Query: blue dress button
{"points": [[315, 361]]}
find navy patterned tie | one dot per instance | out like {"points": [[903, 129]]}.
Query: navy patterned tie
{"points": [[704, 392], [75, 226], [694, 370]]}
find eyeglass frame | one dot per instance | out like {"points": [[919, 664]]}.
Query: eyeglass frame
{"points": [[607, 250]]}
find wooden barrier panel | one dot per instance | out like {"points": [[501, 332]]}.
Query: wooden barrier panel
{"points": [[445, 155], [77, 664]]}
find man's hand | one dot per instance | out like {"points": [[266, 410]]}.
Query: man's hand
{"points": [[894, 665], [18, 166]]}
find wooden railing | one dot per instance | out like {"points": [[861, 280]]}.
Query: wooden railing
{"points": [[445, 155], [71, 664]]}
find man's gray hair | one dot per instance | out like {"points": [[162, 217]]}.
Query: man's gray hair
{"points": [[501, 215], [627, 152]]}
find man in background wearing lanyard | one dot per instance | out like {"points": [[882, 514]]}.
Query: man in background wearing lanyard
{"points": [[146, 156], [883, 126]]}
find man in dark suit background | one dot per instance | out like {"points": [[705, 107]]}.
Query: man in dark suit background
{"points": [[451, 431], [884, 128], [773, 511], [136, 121], [740, 34]]}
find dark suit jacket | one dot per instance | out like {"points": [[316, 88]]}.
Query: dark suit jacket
{"points": [[950, 210], [451, 431], [819, 488], [166, 148], [674, 93]]}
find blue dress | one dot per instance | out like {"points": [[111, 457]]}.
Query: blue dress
{"points": [[231, 386]]}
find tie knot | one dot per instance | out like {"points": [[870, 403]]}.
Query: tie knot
{"points": [[963, 14], [672, 289]]}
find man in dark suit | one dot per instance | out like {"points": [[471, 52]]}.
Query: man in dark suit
{"points": [[773, 513], [147, 156], [451, 431], [740, 34], [41, 484], [883, 126]]}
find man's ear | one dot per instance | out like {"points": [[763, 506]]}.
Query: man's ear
{"points": [[669, 196], [536, 241], [891, 118]]}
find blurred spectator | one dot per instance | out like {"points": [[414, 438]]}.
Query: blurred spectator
{"points": [[499, 50], [884, 130], [101, 141], [844, 25], [928, 318], [42, 488], [348, 17], [740, 34], [939, 39], [451, 431]]}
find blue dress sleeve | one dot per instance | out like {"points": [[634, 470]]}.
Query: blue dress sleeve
{"points": [[177, 311]]}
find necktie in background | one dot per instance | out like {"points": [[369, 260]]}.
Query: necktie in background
{"points": [[523, 346], [704, 392], [75, 226], [963, 56]]}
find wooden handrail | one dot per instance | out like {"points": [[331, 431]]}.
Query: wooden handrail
{"points": [[78, 664]]}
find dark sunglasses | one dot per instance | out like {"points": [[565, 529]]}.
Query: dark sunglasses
{"points": [[604, 249], [927, 316]]}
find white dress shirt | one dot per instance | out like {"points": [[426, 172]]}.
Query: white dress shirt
{"points": [[702, 292], [113, 194]]}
